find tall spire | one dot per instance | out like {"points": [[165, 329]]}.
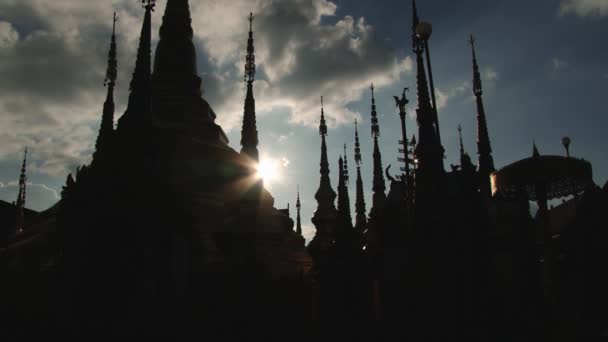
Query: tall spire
{"points": [[346, 176], [429, 151], [298, 220], [360, 218], [106, 130], [249, 133], [139, 98], [378, 186], [175, 54], [344, 218], [461, 144], [20, 203], [484, 150], [325, 195]]}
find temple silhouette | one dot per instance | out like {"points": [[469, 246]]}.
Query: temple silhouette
{"points": [[169, 232]]}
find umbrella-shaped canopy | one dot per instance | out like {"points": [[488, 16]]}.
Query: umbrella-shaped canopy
{"points": [[562, 176]]}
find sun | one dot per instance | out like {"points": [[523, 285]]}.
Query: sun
{"points": [[268, 170]]}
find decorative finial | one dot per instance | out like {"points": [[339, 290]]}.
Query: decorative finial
{"points": [[345, 166], [298, 204], [535, 152], [460, 135], [250, 59], [375, 126], [112, 70], [323, 125], [148, 4], [357, 146], [566, 143], [401, 103], [477, 90]]}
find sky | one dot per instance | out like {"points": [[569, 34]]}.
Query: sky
{"points": [[544, 66]]}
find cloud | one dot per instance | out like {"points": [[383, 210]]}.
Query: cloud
{"points": [[558, 64], [584, 8], [443, 97], [308, 232], [490, 75], [54, 59], [38, 195]]}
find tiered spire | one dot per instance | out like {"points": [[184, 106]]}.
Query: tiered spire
{"points": [[106, 130], [139, 98], [379, 187], [249, 133], [325, 195], [20, 203], [484, 150], [346, 176], [461, 144], [535, 153], [298, 209], [344, 218], [429, 151], [360, 218], [175, 54]]}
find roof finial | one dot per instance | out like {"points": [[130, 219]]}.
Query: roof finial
{"points": [[323, 125], [357, 146], [535, 153], [21, 196], [461, 145], [375, 126], [249, 132], [250, 61], [298, 219], [476, 75], [345, 166]]}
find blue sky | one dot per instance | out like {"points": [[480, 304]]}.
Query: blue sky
{"points": [[544, 66]]}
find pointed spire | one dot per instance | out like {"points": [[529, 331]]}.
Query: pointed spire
{"points": [[298, 220], [175, 53], [344, 218], [535, 153], [360, 218], [249, 132], [346, 176], [106, 129], [461, 144], [325, 195], [484, 149], [429, 151], [20, 203], [378, 186], [139, 98]]}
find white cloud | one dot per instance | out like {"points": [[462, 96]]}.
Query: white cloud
{"points": [[489, 75], [558, 64], [584, 8], [8, 35], [53, 94], [308, 232], [443, 97]]}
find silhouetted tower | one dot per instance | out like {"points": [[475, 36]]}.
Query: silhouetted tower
{"points": [[138, 108], [298, 209], [106, 130], [360, 217], [378, 187], [20, 203], [484, 150], [422, 32], [345, 222], [324, 217], [249, 133], [428, 151]]}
